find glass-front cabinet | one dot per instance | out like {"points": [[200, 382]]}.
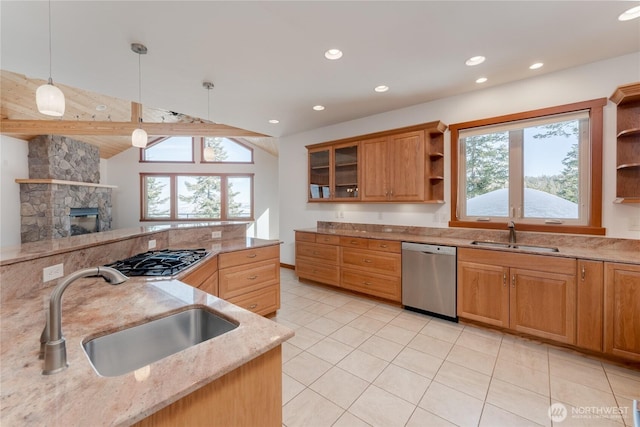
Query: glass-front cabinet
{"points": [[334, 173]]}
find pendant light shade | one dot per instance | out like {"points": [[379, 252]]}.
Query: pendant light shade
{"points": [[209, 154], [139, 138], [50, 100]]}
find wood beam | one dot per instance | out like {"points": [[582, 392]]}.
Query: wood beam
{"points": [[70, 127]]}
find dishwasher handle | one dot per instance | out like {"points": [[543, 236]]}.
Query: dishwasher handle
{"points": [[430, 249]]}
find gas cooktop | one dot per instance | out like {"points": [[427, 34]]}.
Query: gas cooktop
{"points": [[166, 262]]}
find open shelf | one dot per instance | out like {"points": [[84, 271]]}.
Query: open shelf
{"points": [[627, 98]]}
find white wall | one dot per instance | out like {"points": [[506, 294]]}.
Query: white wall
{"points": [[14, 161], [596, 80], [123, 170]]}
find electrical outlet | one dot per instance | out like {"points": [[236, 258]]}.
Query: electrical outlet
{"points": [[216, 247], [152, 244], [216, 234], [53, 272]]}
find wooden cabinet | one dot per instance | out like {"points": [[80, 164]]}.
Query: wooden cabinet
{"points": [[401, 165], [622, 310], [527, 293], [205, 277], [250, 278], [627, 98], [589, 304], [317, 257], [372, 267], [334, 173]]}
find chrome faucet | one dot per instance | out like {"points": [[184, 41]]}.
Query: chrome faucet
{"points": [[52, 344], [512, 232]]}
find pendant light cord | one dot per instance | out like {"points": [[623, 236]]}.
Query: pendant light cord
{"points": [[140, 87], [50, 80]]}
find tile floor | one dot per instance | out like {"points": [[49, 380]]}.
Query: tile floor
{"points": [[356, 362]]}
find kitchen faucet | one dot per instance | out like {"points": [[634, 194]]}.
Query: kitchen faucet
{"points": [[52, 344], [512, 232]]}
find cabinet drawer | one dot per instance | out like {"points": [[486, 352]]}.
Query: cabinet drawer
{"points": [[373, 284], [378, 262], [354, 242], [385, 246], [323, 273], [240, 279], [248, 256], [327, 239], [263, 301], [302, 236], [317, 252]]}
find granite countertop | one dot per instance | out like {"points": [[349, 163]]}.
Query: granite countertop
{"points": [[77, 395], [568, 246]]}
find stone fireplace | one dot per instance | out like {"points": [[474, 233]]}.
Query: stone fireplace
{"points": [[64, 174]]}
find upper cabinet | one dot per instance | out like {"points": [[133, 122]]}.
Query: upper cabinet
{"points": [[401, 165], [627, 98]]}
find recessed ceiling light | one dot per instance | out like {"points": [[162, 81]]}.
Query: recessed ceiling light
{"points": [[536, 66], [274, 121], [318, 107], [333, 54], [475, 60], [629, 14], [381, 88], [101, 107], [481, 80]]}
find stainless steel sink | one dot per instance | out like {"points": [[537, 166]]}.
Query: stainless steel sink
{"points": [[130, 349], [532, 248]]}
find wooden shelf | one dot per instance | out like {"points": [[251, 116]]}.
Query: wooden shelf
{"points": [[627, 98], [625, 200], [341, 165]]}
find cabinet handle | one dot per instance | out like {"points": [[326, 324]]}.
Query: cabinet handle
{"points": [[252, 306], [504, 279], [513, 281], [368, 261], [583, 273], [252, 277], [367, 283], [353, 242], [383, 246], [252, 256]]}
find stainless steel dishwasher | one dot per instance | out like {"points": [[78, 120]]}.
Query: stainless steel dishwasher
{"points": [[429, 279]]}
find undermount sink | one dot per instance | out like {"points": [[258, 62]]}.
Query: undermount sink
{"points": [[533, 248], [133, 348]]}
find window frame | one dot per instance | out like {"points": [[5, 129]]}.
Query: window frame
{"points": [[164, 138], [203, 160], [594, 219], [173, 196]]}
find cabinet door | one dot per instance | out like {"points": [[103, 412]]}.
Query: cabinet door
{"points": [[483, 294], [590, 304], [320, 174], [407, 168], [622, 310], [374, 170], [346, 172], [543, 304]]}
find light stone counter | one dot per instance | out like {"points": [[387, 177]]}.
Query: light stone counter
{"points": [[77, 396]]}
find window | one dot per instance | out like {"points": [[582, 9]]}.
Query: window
{"points": [[541, 169], [174, 149], [196, 197], [225, 150]]}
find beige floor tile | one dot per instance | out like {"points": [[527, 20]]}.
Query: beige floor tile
{"points": [[589, 416], [422, 418], [519, 401], [381, 348], [528, 344], [350, 336], [396, 334], [443, 330], [524, 356], [281, 320], [305, 338], [363, 365], [320, 308], [574, 357], [481, 362], [463, 379], [402, 383], [305, 368], [290, 388], [299, 317], [324, 326], [431, 345], [479, 343], [484, 332], [452, 405], [300, 302], [522, 376], [289, 351], [309, 409], [411, 321], [367, 324], [381, 409], [625, 386], [593, 377], [357, 306], [335, 299], [623, 371], [626, 409], [349, 420], [330, 350], [380, 313], [341, 315], [418, 362], [339, 386], [579, 395], [492, 416]]}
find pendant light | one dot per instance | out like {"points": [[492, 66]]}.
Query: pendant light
{"points": [[208, 153], [50, 99], [139, 136]]}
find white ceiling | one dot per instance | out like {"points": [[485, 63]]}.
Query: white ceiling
{"points": [[266, 58]]}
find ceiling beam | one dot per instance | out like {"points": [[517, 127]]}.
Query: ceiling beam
{"points": [[71, 127]]}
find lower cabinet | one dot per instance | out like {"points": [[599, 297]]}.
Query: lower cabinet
{"points": [[622, 310], [526, 293], [317, 257], [204, 277], [590, 304]]}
